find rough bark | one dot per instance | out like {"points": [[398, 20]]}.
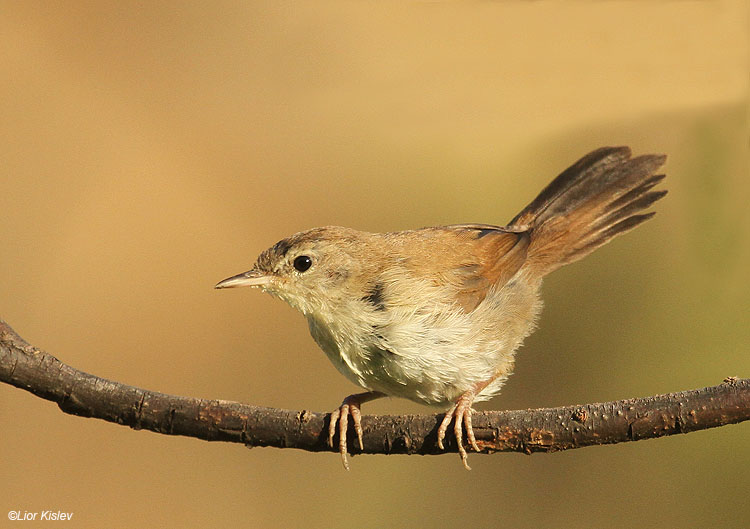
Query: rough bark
{"points": [[541, 430]]}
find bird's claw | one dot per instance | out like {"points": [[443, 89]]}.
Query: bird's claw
{"points": [[461, 411], [350, 407]]}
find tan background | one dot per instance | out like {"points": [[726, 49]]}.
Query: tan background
{"points": [[150, 149]]}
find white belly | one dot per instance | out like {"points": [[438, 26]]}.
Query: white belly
{"points": [[430, 356]]}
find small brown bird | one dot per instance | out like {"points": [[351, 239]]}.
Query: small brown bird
{"points": [[435, 315]]}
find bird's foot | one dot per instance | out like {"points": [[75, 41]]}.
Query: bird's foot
{"points": [[350, 406], [461, 411]]}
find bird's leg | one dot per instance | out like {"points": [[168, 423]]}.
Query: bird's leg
{"points": [[461, 410], [350, 406]]}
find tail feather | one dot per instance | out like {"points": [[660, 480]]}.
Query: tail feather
{"points": [[638, 191], [640, 203], [589, 167], [596, 199], [586, 247]]}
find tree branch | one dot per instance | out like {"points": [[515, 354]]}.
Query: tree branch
{"points": [[542, 430]]}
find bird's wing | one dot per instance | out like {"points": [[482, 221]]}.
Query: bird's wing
{"points": [[486, 257]]}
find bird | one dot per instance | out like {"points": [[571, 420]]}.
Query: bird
{"points": [[435, 315]]}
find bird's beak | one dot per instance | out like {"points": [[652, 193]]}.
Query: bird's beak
{"points": [[253, 278]]}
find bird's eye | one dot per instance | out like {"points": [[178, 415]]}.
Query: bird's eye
{"points": [[302, 263]]}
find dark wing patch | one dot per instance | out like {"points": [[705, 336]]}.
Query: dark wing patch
{"points": [[375, 296]]}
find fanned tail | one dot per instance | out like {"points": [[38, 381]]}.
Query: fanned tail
{"points": [[594, 200]]}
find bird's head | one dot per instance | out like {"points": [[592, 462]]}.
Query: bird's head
{"points": [[310, 270]]}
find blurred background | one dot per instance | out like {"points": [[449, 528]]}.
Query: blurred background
{"points": [[151, 149]]}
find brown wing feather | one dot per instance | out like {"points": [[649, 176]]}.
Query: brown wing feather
{"points": [[491, 257]]}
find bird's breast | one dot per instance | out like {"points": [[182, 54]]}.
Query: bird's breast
{"points": [[425, 350]]}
